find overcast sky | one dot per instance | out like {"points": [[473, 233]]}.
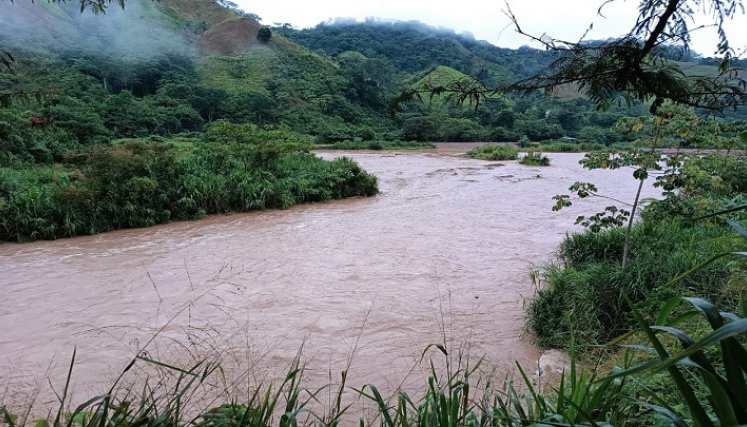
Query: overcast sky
{"points": [[565, 19]]}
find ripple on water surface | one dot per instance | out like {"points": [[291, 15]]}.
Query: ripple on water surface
{"points": [[443, 252]]}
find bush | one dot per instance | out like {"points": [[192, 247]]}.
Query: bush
{"points": [[494, 152], [535, 159], [264, 35], [703, 185], [581, 300]]}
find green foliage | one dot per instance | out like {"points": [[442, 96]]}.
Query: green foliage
{"points": [[637, 67], [672, 122], [138, 184], [581, 301], [700, 383], [266, 146], [539, 129], [168, 404], [6, 60], [569, 147], [535, 159], [344, 94], [420, 128], [264, 35], [708, 183], [720, 378], [494, 152], [611, 217], [524, 141], [590, 284]]}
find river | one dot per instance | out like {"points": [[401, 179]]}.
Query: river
{"points": [[441, 256]]}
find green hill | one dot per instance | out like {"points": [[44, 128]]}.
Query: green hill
{"points": [[442, 76]]}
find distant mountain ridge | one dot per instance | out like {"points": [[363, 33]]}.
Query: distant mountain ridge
{"points": [[413, 46]]}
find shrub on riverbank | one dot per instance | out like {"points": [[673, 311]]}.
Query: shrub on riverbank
{"points": [[494, 152], [581, 298], [139, 184]]}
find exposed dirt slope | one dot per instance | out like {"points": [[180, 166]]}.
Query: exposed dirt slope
{"points": [[227, 33], [228, 37]]}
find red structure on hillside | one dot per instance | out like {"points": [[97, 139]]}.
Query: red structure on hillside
{"points": [[38, 120]]}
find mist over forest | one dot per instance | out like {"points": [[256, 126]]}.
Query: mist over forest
{"points": [[137, 31]]}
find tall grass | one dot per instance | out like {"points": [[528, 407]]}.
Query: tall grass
{"points": [[172, 401], [567, 147], [139, 184], [704, 381], [494, 152], [581, 300]]}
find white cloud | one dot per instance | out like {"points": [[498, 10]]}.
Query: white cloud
{"points": [[564, 19]]}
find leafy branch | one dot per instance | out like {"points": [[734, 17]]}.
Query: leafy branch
{"points": [[633, 66], [460, 92], [672, 122]]}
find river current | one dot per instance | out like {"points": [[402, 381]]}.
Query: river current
{"points": [[442, 256]]}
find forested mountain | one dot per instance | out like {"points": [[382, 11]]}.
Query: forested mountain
{"points": [[413, 46], [417, 52], [177, 65], [168, 110]]}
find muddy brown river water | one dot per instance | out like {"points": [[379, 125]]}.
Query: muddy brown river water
{"points": [[442, 255]]}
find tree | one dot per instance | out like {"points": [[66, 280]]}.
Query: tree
{"points": [[264, 34], [636, 68], [7, 61]]}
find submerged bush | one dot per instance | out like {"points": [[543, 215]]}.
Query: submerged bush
{"points": [[494, 152], [535, 159]]}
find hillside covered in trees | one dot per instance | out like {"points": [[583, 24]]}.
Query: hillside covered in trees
{"points": [[333, 82]]}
